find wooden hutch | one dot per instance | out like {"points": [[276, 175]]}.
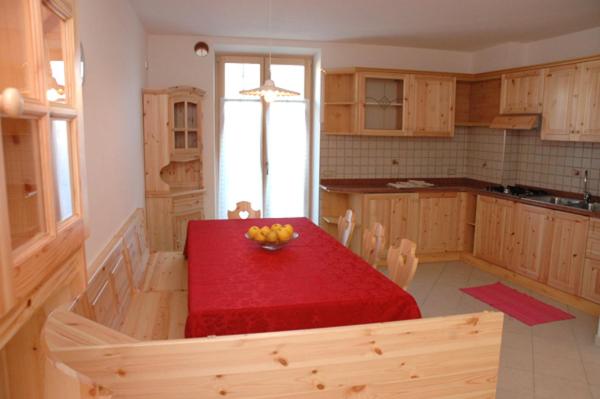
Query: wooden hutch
{"points": [[173, 164]]}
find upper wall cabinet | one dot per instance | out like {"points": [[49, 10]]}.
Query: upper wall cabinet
{"points": [[381, 108], [572, 102], [431, 105], [340, 102], [522, 92]]}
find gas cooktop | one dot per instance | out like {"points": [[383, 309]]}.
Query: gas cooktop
{"points": [[517, 191]]}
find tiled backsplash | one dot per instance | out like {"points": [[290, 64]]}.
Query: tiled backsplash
{"points": [[519, 157]]}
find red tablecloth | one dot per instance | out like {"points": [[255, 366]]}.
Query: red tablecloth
{"points": [[236, 287]]}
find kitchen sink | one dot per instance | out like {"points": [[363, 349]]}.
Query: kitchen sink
{"points": [[572, 202]]}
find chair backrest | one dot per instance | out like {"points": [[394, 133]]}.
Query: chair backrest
{"points": [[345, 228], [243, 210], [373, 241], [402, 262]]}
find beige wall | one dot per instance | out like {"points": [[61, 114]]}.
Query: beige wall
{"points": [[114, 45]]}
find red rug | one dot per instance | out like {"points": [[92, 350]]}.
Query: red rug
{"points": [[516, 304]]}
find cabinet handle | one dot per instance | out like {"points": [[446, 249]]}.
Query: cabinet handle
{"points": [[11, 102]]}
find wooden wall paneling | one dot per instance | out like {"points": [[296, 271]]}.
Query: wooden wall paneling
{"points": [[567, 251], [404, 218], [156, 144], [493, 230], [588, 118], [522, 92], [137, 261], [431, 105], [532, 235], [461, 359], [559, 110], [438, 222]]}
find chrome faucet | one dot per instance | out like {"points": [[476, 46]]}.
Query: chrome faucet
{"points": [[587, 196]]}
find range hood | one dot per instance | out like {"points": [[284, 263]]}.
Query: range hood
{"points": [[516, 122]]}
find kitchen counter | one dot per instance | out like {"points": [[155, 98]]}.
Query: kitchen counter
{"points": [[379, 186]]}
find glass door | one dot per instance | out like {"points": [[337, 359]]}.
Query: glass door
{"points": [[382, 100], [185, 125]]}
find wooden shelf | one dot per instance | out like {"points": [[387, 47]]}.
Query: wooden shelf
{"points": [[468, 124], [184, 157], [330, 219], [340, 103], [386, 105]]}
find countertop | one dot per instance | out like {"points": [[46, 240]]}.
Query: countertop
{"points": [[379, 186]]}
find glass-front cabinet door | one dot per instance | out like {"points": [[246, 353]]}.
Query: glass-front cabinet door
{"points": [[40, 192], [185, 129], [382, 98]]}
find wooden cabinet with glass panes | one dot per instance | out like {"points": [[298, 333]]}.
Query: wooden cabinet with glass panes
{"points": [[173, 164], [42, 229]]}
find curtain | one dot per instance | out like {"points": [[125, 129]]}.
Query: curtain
{"points": [[240, 169]]}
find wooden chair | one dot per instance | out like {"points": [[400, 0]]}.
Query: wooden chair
{"points": [[345, 228], [243, 210], [402, 262], [372, 244]]}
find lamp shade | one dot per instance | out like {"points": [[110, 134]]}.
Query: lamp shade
{"points": [[269, 91]]}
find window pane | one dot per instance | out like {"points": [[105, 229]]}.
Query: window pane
{"points": [[61, 163], [23, 179], [53, 28], [192, 114], [16, 70], [240, 77], [290, 77], [287, 153], [179, 111], [240, 171]]}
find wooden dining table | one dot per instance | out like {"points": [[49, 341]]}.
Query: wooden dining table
{"points": [[237, 287]]}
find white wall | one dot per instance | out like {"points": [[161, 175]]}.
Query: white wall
{"points": [[509, 55], [114, 45], [172, 62]]}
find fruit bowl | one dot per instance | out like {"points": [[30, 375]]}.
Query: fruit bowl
{"points": [[272, 238], [273, 246]]}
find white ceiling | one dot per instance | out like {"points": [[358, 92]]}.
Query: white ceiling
{"points": [[443, 24]]}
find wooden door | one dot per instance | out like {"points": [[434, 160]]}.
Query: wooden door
{"points": [[522, 92], [532, 230], [591, 280], [431, 105], [559, 105], [377, 209], [180, 227], [493, 230], [438, 222], [588, 117], [404, 218], [567, 251]]}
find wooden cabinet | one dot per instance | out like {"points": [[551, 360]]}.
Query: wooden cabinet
{"points": [[404, 218], [522, 92], [381, 103], [438, 222], [493, 230], [532, 230], [591, 280], [559, 110], [567, 251], [588, 118], [340, 105], [572, 102], [430, 104], [173, 164]]}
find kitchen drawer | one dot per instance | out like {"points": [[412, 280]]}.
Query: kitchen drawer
{"points": [[591, 280], [187, 203]]}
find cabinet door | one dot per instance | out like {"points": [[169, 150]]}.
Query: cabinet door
{"points": [[591, 280], [431, 105], [588, 117], [438, 222], [493, 230], [558, 115], [382, 110], [377, 209], [567, 251], [532, 234], [521, 92], [404, 218], [180, 228], [6, 281]]}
